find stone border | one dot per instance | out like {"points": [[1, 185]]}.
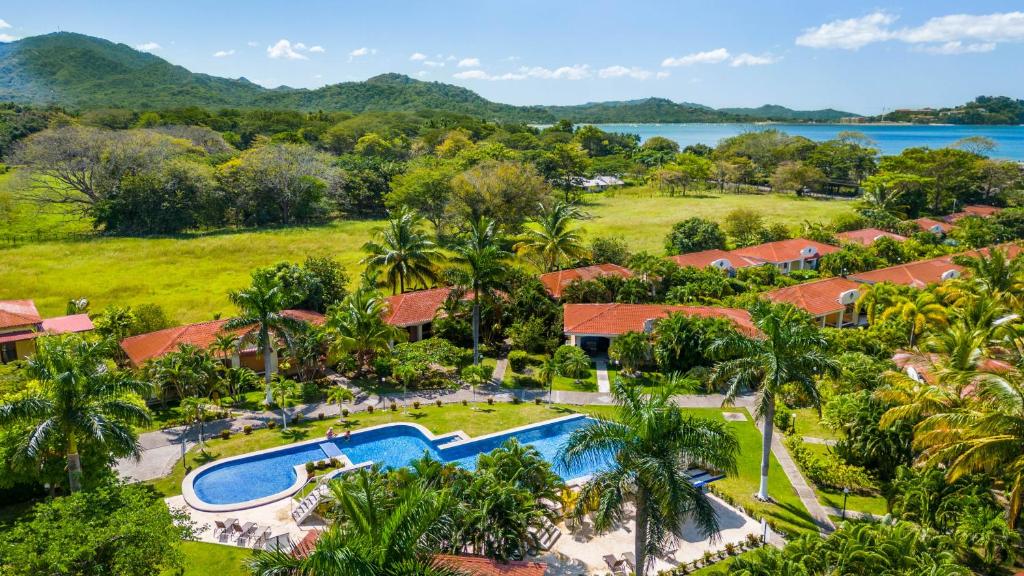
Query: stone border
{"points": [[193, 500]]}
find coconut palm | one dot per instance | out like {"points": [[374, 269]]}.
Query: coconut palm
{"points": [[633, 350], [480, 265], [358, 327], [262, 307], [224, 345], [403, 252], [919, 311], [555, 240], [547, 372], [997, 275], [877, 299], [789, 350], [308, 348], [375, 536], [80, 401], [194, 410], [283, 389], [646, 449]]}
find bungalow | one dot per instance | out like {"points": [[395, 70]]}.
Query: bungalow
{"points": [[979, 210], [715, 258], [933, 226], [915, 274], [867, 236], [831, 301], [145, 347], [21, 324], [599, 182], [555, 282], [593, 326], [788, 255], [415, 311]]}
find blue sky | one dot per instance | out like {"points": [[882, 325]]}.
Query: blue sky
{"points": [[854, 56]]}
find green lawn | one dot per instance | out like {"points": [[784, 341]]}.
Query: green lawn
{"points": [[809, 424], [872, 504], [202, 559], [191, 274]]}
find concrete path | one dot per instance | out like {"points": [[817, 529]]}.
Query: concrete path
{"points": [[850, 514], [603, 385], [824, 441], [800, 484], [500, 367]]}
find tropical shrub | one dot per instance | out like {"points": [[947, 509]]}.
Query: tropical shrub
{"points": [[517, 360], [427, 363], [633, 350], [310, 392], [572, 362], [829, 471], [247, 429]]}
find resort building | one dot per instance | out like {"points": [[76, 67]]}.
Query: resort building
{"points": [[934, 226], [915, 274], [714, 258], [831, 301], [415, 311], [21, 324], [787, 255], [979, 210], [555, 282], [867, 236], [594, 326], [145, 347]]}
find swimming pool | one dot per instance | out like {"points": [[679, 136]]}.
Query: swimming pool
{"points": [[262, 477]]}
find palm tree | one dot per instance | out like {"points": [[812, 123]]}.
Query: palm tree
{"points": [[80, 401], [650, 444], [359, 328], [262, 306], [789, 350], [555, 240], [918, 311], [877, 299], [225, 345], [308, 347], [194, 409], [547, 372], [479, 267], [283, 390], [375, 536], [403, 252], [997, 275]]}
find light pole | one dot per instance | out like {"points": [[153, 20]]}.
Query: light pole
{"points": [[846, 494]]}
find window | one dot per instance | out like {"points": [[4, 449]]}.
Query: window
{"points": [[8, 352]]}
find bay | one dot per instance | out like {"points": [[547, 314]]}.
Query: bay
{"points": [[888, 138]]}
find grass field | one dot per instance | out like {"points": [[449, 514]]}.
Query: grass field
{"points": [[190, 275], [203, 559]]}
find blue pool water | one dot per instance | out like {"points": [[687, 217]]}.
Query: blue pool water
{"points": [[391, 446]]}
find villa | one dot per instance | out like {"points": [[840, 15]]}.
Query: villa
{"points": [[145, 347], [21, 324], [555, 282], [787, 255], [867, 236], [830, 301], [979, 210], [934, 226], [915, 274], [415, 311], [715, 258], [594, 326]]}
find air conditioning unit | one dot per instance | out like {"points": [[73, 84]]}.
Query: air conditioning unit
{"points": [[722, 264], [649, 325], [950, 275], [808, 251], [849, 297]]}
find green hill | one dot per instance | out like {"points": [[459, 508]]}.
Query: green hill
{"points": [[981, 110], [83, 72]]}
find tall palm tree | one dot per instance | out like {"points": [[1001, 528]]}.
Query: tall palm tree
{"points": [[479, 268], [374, 537], [358, 326], [877, 299], [919, 311], [262, 306], [224, 345], [789, 350], [647, 448], [997, 275], [403, 252], [80, 401], [555, 240]]}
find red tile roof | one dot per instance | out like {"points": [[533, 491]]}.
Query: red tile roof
{"points": [[867, 236], [414, 308], [705, 258], [820, 297], [916, 274], [151, 345], [18, 313], [784, 250], [555, 282], [68, 324], [982, 210], [17, 336], [479, 566], [929, 224], [616, 319]]}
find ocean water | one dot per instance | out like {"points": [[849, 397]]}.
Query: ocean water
{"points": [[889, 139]]}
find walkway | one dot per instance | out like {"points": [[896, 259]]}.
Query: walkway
{"points": [[601, 367], [800, 484]]}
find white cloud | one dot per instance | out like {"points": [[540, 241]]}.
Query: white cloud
{"points": [[951, 34], [849, 34], [317, 49], [148, 47], [468, 63], [224, 53], [622, 71], [284, 49], [364, 51], [433, 63], [747, 59], [4, 24], [7, 38], [574, 72], [662, 75], [252, 43], [418, 56], [708, 57], [481, 75]]}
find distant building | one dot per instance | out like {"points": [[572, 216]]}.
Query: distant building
{"points": [[788, 255], [555, 282], [599, 182], [867, 236], [714, 258], [914, 274], [934, 226], [830, 301], [21, 324], [415, 311]]}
